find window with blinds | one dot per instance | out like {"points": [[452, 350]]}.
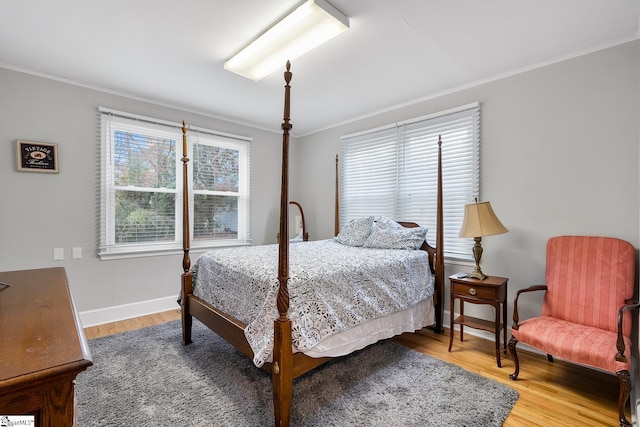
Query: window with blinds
{"points": [[220, 189], [392, 171], [141, 186]]}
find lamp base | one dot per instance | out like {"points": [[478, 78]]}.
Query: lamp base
{"points": [[477, 254], [477, 274]]}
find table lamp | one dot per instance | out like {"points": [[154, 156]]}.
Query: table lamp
{"points": [[480, 220]]}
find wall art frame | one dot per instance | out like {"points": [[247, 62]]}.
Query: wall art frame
{"points": [[37, 156]]}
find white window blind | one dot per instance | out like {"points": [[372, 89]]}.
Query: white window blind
{"points": [[141, 187], [392, 171]]}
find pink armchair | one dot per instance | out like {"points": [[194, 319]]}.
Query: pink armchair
{"points": [[585, 314]]}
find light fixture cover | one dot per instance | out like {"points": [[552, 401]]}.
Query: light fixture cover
{"points": [[480, 220], [305, 28]]}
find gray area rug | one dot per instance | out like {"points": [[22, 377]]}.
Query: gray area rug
{"points": [[148, 378]]}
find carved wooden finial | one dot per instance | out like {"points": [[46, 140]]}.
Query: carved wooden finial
{"points": [[288, 73], [286, 126]]}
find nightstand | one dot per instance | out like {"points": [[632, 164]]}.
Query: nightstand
{"points": [[492, 291]]}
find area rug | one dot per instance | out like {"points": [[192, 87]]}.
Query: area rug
{"points": [[148, 378]]}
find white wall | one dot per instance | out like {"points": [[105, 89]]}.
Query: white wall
{"points": [[39, 212], [560, 150], [559, 155]]}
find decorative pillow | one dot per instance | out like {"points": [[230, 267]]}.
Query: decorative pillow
{"points": [[388, 234], [355, 233]]}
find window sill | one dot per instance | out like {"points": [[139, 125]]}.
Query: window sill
{"points": [[114, 253]]}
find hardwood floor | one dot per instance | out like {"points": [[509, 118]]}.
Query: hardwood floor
{"points": [[131, 324], [551, 394]]}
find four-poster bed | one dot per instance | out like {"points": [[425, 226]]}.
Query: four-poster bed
{"points": [[282, 354]]}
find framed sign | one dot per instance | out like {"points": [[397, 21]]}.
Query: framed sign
{"points": [[37, 156]]}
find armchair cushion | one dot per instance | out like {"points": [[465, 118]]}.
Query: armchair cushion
{"points": [[577, 343]]}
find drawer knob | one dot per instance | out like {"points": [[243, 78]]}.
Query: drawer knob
{"points": [[472, 291]]}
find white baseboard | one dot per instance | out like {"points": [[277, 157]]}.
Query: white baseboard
{"points": [[127, 311]]}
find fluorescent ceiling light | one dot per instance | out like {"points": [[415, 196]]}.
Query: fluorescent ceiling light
{"points": [[307, 27]]}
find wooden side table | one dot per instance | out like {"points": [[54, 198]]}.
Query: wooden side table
{"points": [[492, 291]]}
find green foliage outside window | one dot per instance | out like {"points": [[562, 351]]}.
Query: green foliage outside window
{"points": [[144, 169]]}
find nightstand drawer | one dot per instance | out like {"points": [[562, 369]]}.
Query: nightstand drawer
{"points": [[475, 291]]}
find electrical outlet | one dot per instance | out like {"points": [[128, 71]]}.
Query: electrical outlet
{"points": [[58, 254]]}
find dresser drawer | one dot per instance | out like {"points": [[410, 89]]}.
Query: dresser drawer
{"points": [[475, 291]]}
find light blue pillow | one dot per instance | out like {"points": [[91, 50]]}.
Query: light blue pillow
{"points": [[355, 233], [388, 234]]}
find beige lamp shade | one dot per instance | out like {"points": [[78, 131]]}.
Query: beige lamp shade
{"points": [[480, 220]]}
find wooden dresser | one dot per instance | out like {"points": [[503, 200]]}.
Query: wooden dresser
{"points": [[42, 346]]}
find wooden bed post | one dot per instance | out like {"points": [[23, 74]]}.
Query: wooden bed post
{"points": [[336, 215], [187, 277], [282, 374], [439, 269]]}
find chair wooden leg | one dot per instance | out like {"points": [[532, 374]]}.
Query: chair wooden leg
{"points": [[625, 390], [514, 356]]}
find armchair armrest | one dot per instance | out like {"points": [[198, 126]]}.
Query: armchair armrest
{"points": [[516, 317], [629, 305]]}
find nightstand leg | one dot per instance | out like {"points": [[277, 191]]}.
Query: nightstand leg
{"points": [[462, 323], [451, 309], [497, 307]]}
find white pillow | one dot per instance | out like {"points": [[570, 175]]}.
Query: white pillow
{"points": [[388, 234], [355, 233]]}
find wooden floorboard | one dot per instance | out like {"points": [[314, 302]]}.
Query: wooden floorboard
{"points": [[551, 394]]}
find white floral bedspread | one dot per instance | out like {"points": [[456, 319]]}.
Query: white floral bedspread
{"points": [[332, 287]]}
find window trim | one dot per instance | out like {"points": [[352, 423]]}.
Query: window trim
{"points": [[107, 250]]}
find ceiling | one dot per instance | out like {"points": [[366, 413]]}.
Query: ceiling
{"points": [[172, 52]]}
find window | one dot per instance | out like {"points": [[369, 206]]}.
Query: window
{"points": [[141, 187], [392, 171]]}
